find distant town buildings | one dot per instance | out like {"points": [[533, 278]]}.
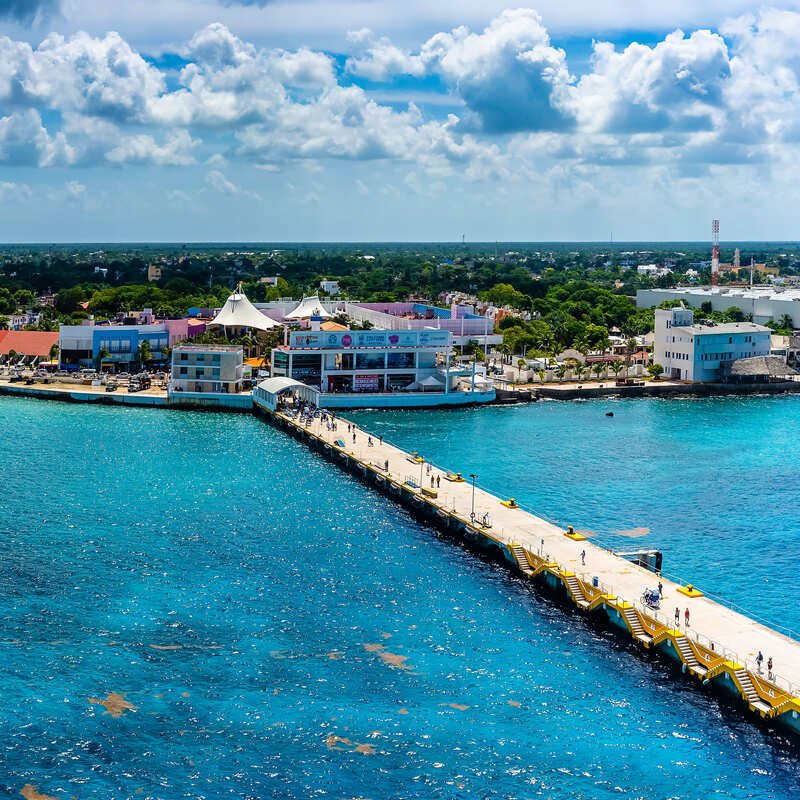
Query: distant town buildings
{"points": [[653, 270], [16, 322], [465, 326], [761, 304], [329, 287]]}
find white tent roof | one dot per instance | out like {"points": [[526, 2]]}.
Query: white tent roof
{"points": [[239, 312], [430, 381], [308, 307], [279, 384]]}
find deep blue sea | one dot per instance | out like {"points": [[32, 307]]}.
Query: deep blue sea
{"points": [[282, 632]]}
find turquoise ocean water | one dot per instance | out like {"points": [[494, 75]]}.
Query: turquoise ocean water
{"points": [[282, 632]]}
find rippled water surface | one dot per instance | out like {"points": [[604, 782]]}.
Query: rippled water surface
{"points": [[193, 605]]}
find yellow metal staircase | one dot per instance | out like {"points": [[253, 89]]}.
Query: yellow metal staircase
{"points": [[750, 693], [635, 626], [518, 551], [688, 656], [575, 590]]}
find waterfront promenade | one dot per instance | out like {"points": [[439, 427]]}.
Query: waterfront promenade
{"points": [[719, 644]]}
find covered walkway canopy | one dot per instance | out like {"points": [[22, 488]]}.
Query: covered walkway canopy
{"points": [[239, 312], [268, 391], [308, 307]]}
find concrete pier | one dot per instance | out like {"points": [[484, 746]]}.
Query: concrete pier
{"points": [[719, 645]]}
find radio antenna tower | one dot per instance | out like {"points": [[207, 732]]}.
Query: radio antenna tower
{"points": [[715, 252]]}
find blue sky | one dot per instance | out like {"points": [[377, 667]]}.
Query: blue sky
{"points": [[197, 120]]}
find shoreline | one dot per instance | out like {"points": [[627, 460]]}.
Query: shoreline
{"points": [[159, 398], [147, 398], [651, 389]]}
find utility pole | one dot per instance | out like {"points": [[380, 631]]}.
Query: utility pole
{"points": [[472, 513]]}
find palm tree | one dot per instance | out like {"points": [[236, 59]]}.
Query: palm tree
{"points": [[102, 355], [54, 351], [561, 371], [541, 373], [248, 342], [520, 364], [577, 370], [145, 352], [598, 368], [616, 367]]}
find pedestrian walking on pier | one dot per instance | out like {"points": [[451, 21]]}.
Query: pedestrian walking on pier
{"points": [[437, 481], [759, 661], [677, 617], [433, 482], [380, 439], [386, 465], [354, 438], [660, 589], [686, 617], [369, 441], [583, 557], [769, 668]]}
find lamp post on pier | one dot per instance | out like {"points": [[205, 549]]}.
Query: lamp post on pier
{"points": [[472, 513]]}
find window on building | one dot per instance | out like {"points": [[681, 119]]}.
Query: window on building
{"points": [[400, 360], [371, 360], [344, 361]]}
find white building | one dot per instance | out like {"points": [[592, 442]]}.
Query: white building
{"points": [[378, 368], [329, 287], [701, 353], [16, 322], [653, 270], [206, 369], [760, 304]]}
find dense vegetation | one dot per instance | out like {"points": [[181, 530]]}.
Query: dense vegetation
{"points": [[567, 295]]}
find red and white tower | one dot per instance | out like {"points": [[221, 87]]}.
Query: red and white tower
{"points": [[715, 252]]}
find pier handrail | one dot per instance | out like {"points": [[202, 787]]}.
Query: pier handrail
{"points": [[597, 541]]}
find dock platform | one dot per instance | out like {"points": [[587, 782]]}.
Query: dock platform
{"points": [[718, 647]]}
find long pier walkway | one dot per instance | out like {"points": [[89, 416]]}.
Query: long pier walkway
{"points": [[718, 645]]}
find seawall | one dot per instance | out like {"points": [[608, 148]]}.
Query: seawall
{"points": [[650, 389]]}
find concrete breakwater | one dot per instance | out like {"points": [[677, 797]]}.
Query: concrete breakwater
{"points": [[152, 398], [716, 646], [649, 389]]}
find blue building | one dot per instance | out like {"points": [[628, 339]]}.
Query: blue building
{"points": [[81, 346]]}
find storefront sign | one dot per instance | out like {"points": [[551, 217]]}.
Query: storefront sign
{"points": [[346, 340], [366, 383]]}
